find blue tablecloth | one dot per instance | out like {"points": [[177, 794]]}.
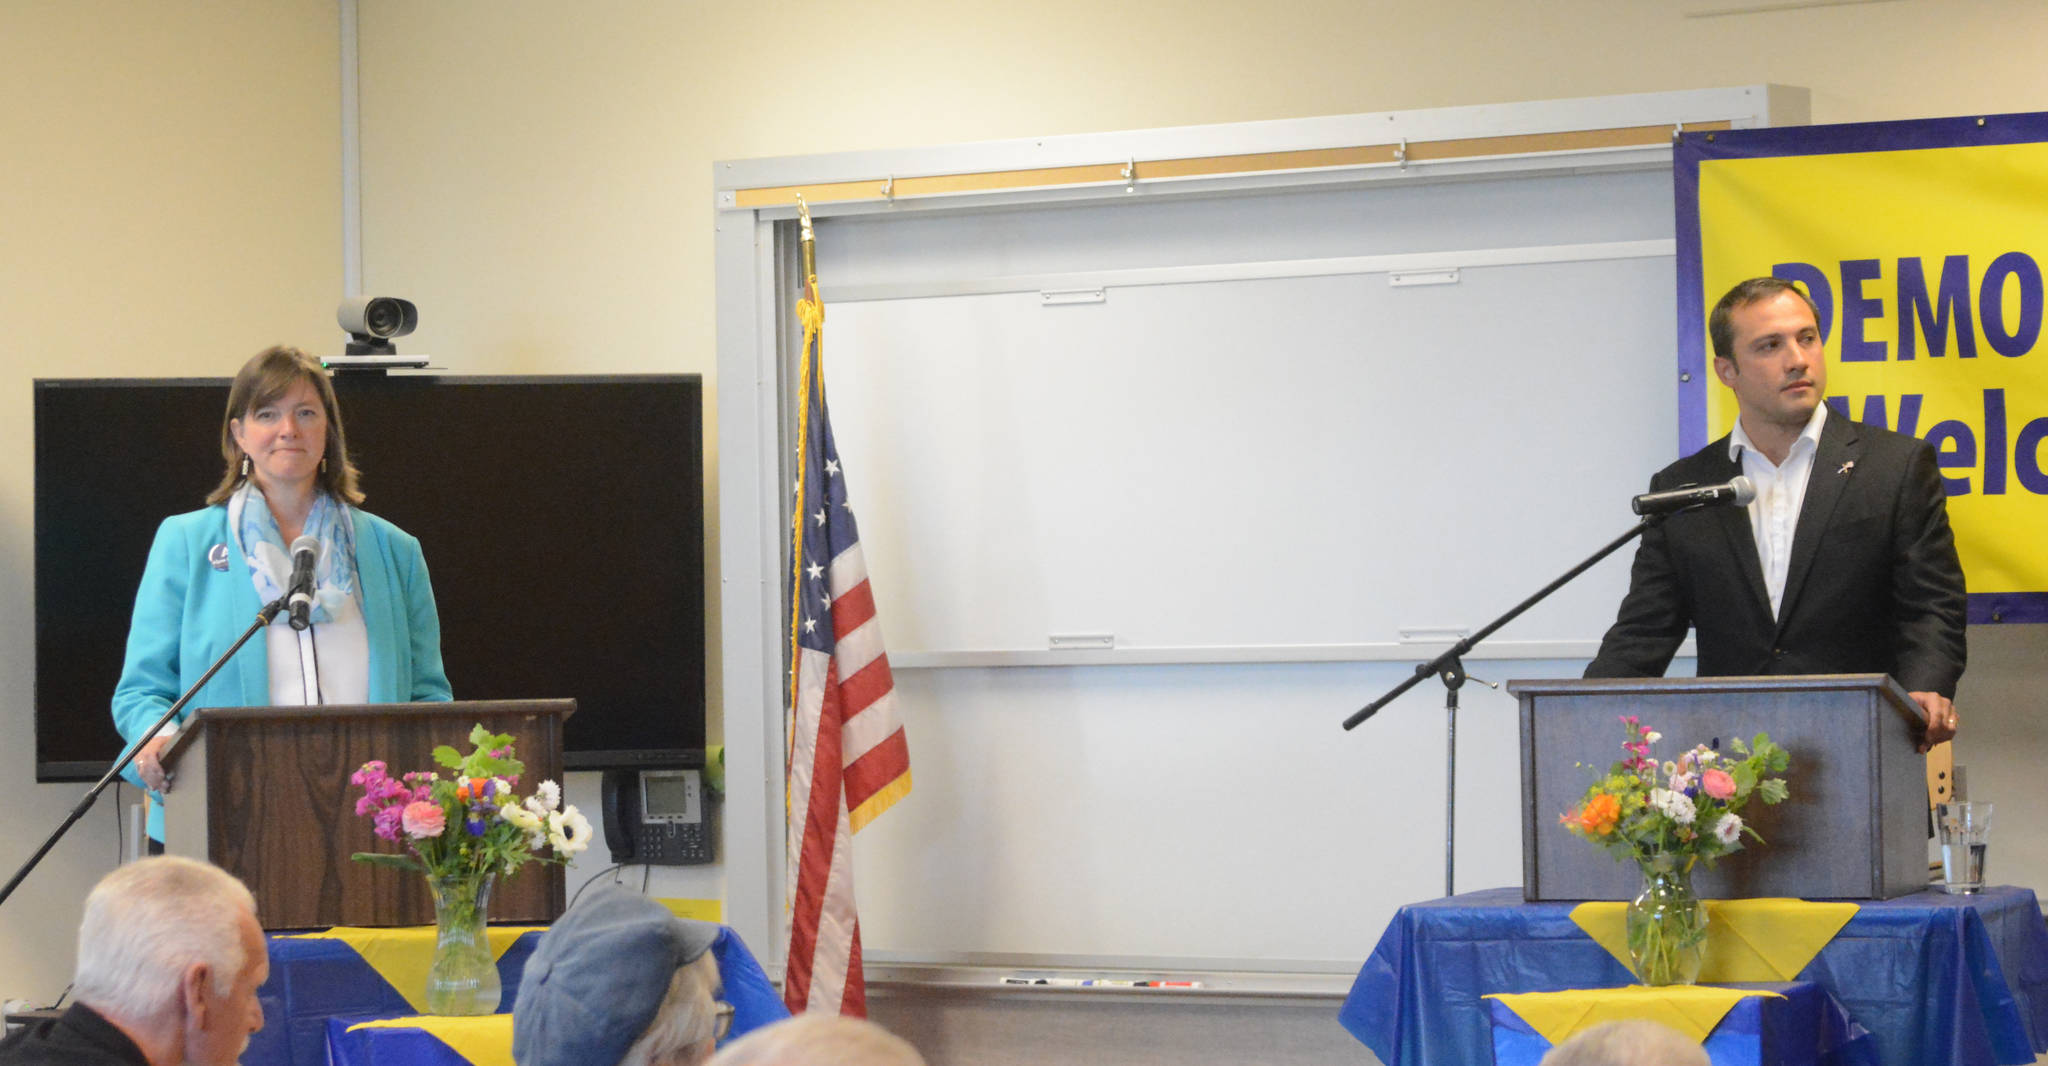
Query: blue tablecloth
{"points": [[1806, 1027], [1961, 980], [313, 981]]}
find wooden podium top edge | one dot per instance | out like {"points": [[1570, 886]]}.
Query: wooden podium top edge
{"points": [[557, 708], [425, 709]]}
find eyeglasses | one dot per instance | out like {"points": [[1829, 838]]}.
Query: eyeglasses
{"points": [[721, 1023]]}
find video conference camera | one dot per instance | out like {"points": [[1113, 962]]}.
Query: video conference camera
{"points": [[371, 322]]}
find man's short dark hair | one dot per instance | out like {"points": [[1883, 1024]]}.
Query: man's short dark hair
{"points": [[1742, 295]]}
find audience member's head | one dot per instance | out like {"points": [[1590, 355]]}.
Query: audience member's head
{"points": [[1630, 1043], [621, 980], [819, 1040], [170, 953]]}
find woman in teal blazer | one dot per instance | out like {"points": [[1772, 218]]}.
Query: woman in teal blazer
{"points": [[374, 635]]}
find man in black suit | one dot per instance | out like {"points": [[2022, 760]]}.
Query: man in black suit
{"points": [[1843, 564]]}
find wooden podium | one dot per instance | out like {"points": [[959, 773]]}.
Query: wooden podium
{"points": [[1855, 826], [264, 793]]}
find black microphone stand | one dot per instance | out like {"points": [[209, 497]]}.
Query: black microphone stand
{"points": [[1450, 667], [263, 618]]}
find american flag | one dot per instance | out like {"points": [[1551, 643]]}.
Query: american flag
{"points": [[848, 761]]}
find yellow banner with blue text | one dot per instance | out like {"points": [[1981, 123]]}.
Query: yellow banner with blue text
{"points": [[1921, 244]]}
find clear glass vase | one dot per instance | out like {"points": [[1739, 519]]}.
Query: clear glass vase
{"points": [[1667, 923], [463, 979]]}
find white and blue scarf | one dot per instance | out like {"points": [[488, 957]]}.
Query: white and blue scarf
{"points": [[270, 562]]}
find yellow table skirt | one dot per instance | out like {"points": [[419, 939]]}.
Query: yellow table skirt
{"points": [[1691, 1009], [1747, 939]]}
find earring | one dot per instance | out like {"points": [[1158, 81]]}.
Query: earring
{"points": [[245, 466], [323, 464]]}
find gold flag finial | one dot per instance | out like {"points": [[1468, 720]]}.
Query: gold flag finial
{"points": [[803, 215]]}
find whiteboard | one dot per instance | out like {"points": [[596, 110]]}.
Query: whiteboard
{"points": [[1253, 439], [1210, 457]]}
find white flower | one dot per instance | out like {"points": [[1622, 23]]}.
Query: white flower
{"points": [[548, 795], [501, 791], [1729, 829], [1675, 805], [568, 831], [1681, 782], [520, 817], [1652, 737]]}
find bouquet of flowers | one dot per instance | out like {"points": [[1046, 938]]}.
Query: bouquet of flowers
{"points": [[1667, 817], [1686, 807], [468, 824], [463, 830]]}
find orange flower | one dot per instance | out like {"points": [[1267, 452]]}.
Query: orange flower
{"points": [[1598, 816], [470, 789]]}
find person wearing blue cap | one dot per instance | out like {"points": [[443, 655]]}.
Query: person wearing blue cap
{"points": [[620, 980]]}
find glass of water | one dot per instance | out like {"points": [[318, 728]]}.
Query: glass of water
{"points": [[1963, 829]]}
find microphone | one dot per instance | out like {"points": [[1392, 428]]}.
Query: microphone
{"points": [[299, 595], [1738, 492]]}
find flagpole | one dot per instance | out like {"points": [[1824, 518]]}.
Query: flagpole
{"points": [[810, 310], [810, 247]]}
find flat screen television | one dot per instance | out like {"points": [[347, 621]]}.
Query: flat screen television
{"points": [[561, 518]]}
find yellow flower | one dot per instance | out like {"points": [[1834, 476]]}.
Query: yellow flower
{"points": [[526, 821]]}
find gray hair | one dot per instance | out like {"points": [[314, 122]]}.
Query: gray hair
{"points": [[685, 1026], [147, 922], [1629, 1043], [810, 1039]]}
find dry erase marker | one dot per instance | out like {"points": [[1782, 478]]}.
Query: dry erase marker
{"points": [[1172, 984]]}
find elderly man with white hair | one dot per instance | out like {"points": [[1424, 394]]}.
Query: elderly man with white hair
{"points": [[1628, 1043], [169, 960], [819, 1040]]}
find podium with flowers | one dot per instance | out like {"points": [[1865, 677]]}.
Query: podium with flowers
{"points": [[264, 792], [1855, 829], [1869, 968]]}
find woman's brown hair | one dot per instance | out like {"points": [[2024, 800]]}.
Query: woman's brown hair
{"points": [[264, 380]]}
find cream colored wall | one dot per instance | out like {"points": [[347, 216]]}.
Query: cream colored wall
{"points": [[169, 204], [537, 175]]}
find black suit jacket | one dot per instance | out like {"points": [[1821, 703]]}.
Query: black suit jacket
{"points": [[1873, 584], [78, 1037]]}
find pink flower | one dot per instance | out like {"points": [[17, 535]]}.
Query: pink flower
{"points": [[1717, 783], [424, 820]]}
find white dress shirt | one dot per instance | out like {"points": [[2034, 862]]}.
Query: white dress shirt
{"points": [[1780, 493]]}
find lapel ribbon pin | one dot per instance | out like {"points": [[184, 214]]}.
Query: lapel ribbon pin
{"points": [[1846, 467]]}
